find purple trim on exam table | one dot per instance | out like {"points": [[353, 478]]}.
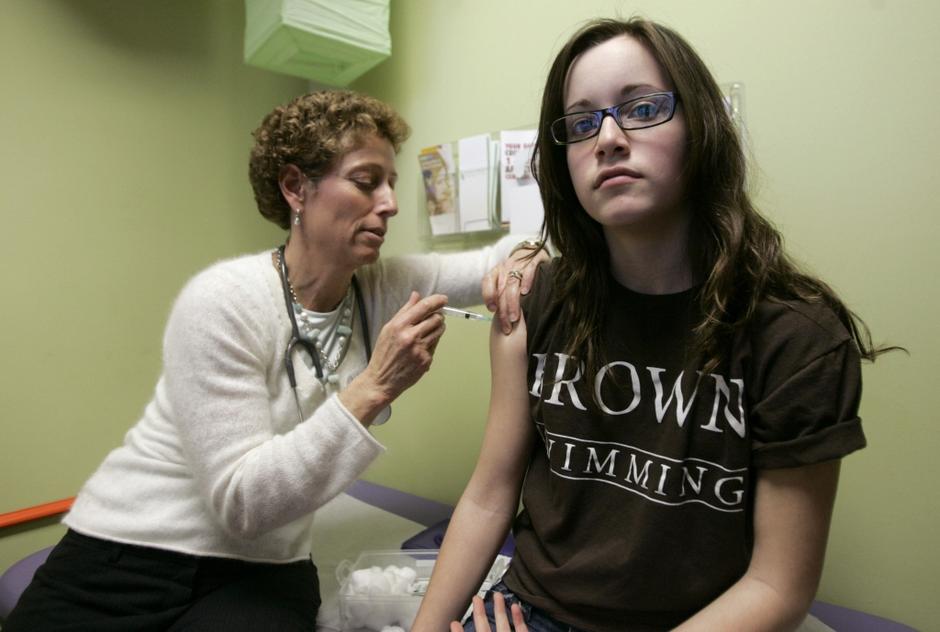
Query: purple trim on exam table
{"points": [[16, 578], [432, 514], [409, 506], [845, 619]]}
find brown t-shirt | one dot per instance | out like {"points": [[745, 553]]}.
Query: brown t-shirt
{"points": [[637, 504]]}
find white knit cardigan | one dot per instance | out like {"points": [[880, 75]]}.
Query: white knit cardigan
{"points": [[219, 464]]}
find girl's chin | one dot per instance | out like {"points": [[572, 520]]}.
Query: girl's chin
{"points": [[638, 215]]}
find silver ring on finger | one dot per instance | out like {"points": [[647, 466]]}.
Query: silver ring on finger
{"points": [[514, 274]]}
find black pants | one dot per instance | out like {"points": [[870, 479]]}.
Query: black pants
{"points": [[102, 586]]}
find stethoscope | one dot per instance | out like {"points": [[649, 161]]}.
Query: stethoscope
{"points": [[297, 341]]}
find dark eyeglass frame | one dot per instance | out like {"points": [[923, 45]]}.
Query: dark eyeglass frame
{"points": [[614, 112]]}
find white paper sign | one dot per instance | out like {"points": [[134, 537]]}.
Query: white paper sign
{"points": [[519, 194]]}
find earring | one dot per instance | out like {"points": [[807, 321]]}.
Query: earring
{"points": [[297, 217]]}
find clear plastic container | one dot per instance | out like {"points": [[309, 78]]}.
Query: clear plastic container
{"points": [[371, 612]]}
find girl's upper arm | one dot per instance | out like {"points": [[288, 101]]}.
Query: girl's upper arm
{"points": [[792, 511], [509, 434]]}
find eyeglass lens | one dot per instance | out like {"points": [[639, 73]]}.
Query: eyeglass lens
{"points": [[645, 111]]}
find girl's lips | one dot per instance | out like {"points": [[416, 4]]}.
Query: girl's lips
{"points": [[614, 181], [615, 176]]}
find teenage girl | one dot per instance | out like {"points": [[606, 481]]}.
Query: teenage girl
{"points": [[675, 403]]}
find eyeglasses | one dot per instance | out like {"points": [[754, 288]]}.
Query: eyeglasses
{"points": [[646, 111]]}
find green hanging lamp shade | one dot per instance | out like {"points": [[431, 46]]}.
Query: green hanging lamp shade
{"points": [[328, 41]]}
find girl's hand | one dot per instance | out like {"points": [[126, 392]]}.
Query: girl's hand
{"points": [[481, 622]]}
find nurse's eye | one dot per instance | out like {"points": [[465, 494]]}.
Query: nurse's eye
{"points": [[365, 184]]}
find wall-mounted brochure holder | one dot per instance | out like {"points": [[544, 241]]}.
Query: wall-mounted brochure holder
{"points": [[480, 183], [733, 95]]}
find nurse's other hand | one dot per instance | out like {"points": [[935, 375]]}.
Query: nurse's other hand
{"points": [[504, 284]]}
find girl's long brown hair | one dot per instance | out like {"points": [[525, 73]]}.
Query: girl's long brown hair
{"points": [[737, 252]]}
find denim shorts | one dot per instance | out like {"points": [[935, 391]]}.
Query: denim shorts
{"points": [[536, 619]]}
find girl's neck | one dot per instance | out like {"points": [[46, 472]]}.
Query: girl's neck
{"points": [[318, 283], [651, 260]]}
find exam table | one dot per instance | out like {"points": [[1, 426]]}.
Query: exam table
{"points": [[370, 516]]}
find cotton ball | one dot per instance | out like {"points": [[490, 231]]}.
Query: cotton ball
{"points": [[409, 574], [369, 581], [381, 585], [355, 580], [399, 579], [390, 573], [382, 599], [359, 582]]}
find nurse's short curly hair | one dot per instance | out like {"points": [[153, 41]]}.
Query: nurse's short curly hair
{"points": [[313, 132]]}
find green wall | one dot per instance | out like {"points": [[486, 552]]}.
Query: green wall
{"points": [[841, 110], [125, 128]]}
